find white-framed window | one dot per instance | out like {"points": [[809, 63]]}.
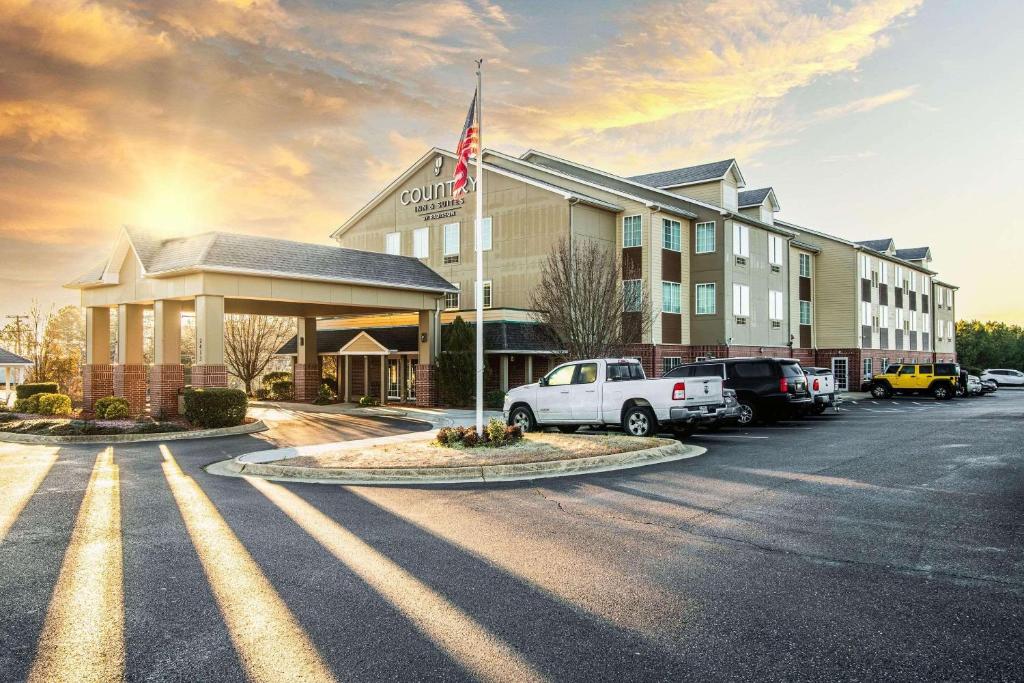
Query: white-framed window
{"points": [[671, 234], [670, 298], [913, 321], [899, 319], [805, 265], [883, 316], [730, 196], [669, 363], [633, 295], [926, 322], [740, 240], [775, 305], [705, 238], [740, 300], [393, 243], [865, 312], [706, 298], [421, 242], [451, 299], [452, 242], [883, 272], [805, 312], [485, 234], [487, 289], [950, 328], [863, 265], [867, 367], [632, 231], [775, 245]]}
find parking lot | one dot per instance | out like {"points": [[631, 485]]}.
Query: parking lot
{"points": [[884, 541]]}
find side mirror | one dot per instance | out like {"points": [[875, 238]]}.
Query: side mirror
{"points": [[543, 381]]}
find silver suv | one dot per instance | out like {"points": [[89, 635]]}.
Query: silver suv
{"points": [[1004, 377]]}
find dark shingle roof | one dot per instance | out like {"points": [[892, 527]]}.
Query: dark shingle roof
{"points": [[913, 254], [284, 258], [877, 245], [498, 336], [8, 358], [753, 197], [682, 176]]}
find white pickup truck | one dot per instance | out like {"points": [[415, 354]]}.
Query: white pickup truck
{"points": [[614, 391], [821, 383]]}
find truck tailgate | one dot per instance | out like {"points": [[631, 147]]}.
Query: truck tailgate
{"points": [[702, 391]]}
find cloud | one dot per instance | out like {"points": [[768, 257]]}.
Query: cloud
{"points": [[866, 104]]}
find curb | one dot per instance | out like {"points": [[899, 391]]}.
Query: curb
{"points": [[42, 439], [475, 474]]}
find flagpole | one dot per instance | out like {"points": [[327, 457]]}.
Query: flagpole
{"points": [[478, 241]]}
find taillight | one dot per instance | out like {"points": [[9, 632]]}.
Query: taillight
{"points": [[816, 385], [679, 391], [784, 385]]}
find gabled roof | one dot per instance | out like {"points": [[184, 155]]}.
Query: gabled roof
{"points": [[859, 246], [749, 198], [806, 246], [269, 257], [8, 358], [915, 254], [882, 245], [690, 175]]}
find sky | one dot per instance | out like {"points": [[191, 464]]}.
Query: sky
{"points": [[882, 118]]}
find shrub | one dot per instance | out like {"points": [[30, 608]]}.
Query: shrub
{"points": [[211, 408], [470, 438], [54, 404], [26, 390], [112, 408], [368, 401], [262, 394], [495, 430], [512, 434], [282, 390], [494, 400], [324, 395], [27, 405], [277, 376]]}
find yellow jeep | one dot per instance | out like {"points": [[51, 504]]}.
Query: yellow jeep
{"points": [[938, 379]]}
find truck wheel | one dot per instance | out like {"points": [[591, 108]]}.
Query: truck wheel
{"points": [[522, 417], [942, 392], [748, 413], [881, 391], [819, 408], [639, 421], [568, 429]]}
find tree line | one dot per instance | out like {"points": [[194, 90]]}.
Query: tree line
{"points": [[981, 345]]}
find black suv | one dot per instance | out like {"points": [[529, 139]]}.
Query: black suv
{"points": [[766, 388]]}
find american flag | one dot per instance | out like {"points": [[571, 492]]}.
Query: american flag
{"points": [[469, 146]]}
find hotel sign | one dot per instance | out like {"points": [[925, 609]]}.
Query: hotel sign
{"points": [[434, 200]]}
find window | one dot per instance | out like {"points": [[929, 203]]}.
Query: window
{"points": [[705, 238], [949, 330], [885, 365], [730, 196], [805, 265], [670, 362], [393, 243], [883, 271], [421, 243], [561, 376], [867, 367], [632, 235], [451, 243], [899, 318], [451, 299], [670, 298], [485, 234], [740, 240], [633, 295], [671, 235], [775, 305], [805, 312], [587, 374], [865, 313], [883, 316], [874, 278], [706, 299], [741, 300], [619, 372], [487, 294], [865, 265], [752, 370], [927, 370], [775, 250]]}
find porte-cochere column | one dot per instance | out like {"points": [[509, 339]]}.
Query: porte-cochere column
{"points": [[97, 373], [131, 374], [426, 387], [168, 375], [307, 363], [209, 369]]}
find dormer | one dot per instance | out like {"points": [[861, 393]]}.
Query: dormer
{"points": [[716, 183], [760, 204], [921, 256], [883, 246]]}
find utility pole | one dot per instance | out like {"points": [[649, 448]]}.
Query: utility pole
{"points": [[17, 327]]}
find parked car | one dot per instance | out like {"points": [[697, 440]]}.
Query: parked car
{"points": [[973, 385], [821, 384], [938, 379], [1004, 377], [614, 391], [766, 388], [989, 386]]}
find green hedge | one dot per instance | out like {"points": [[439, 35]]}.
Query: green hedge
{"points": [[54, 404], [212, 408], [27, 405], [282, 390], [26, 390], [112, 408]]}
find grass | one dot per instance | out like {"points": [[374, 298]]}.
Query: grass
{"points": [[536, 447]]}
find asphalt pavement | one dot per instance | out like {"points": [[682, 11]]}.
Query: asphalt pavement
{"points": [[883, 541]]}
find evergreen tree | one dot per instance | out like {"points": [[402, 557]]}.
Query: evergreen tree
{"points": [[456, 365]]}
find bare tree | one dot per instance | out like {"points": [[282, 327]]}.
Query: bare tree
{"points": [[250, 342], [582, 297]]}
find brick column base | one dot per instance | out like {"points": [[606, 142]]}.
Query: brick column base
{"points": [[164, 383], [209, 376], [130, 383], [426, 389], [307, 381], [97, 383]]}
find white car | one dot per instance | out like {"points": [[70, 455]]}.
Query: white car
{"points": [[614, 391], [1004, 377], [973, 385]]}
